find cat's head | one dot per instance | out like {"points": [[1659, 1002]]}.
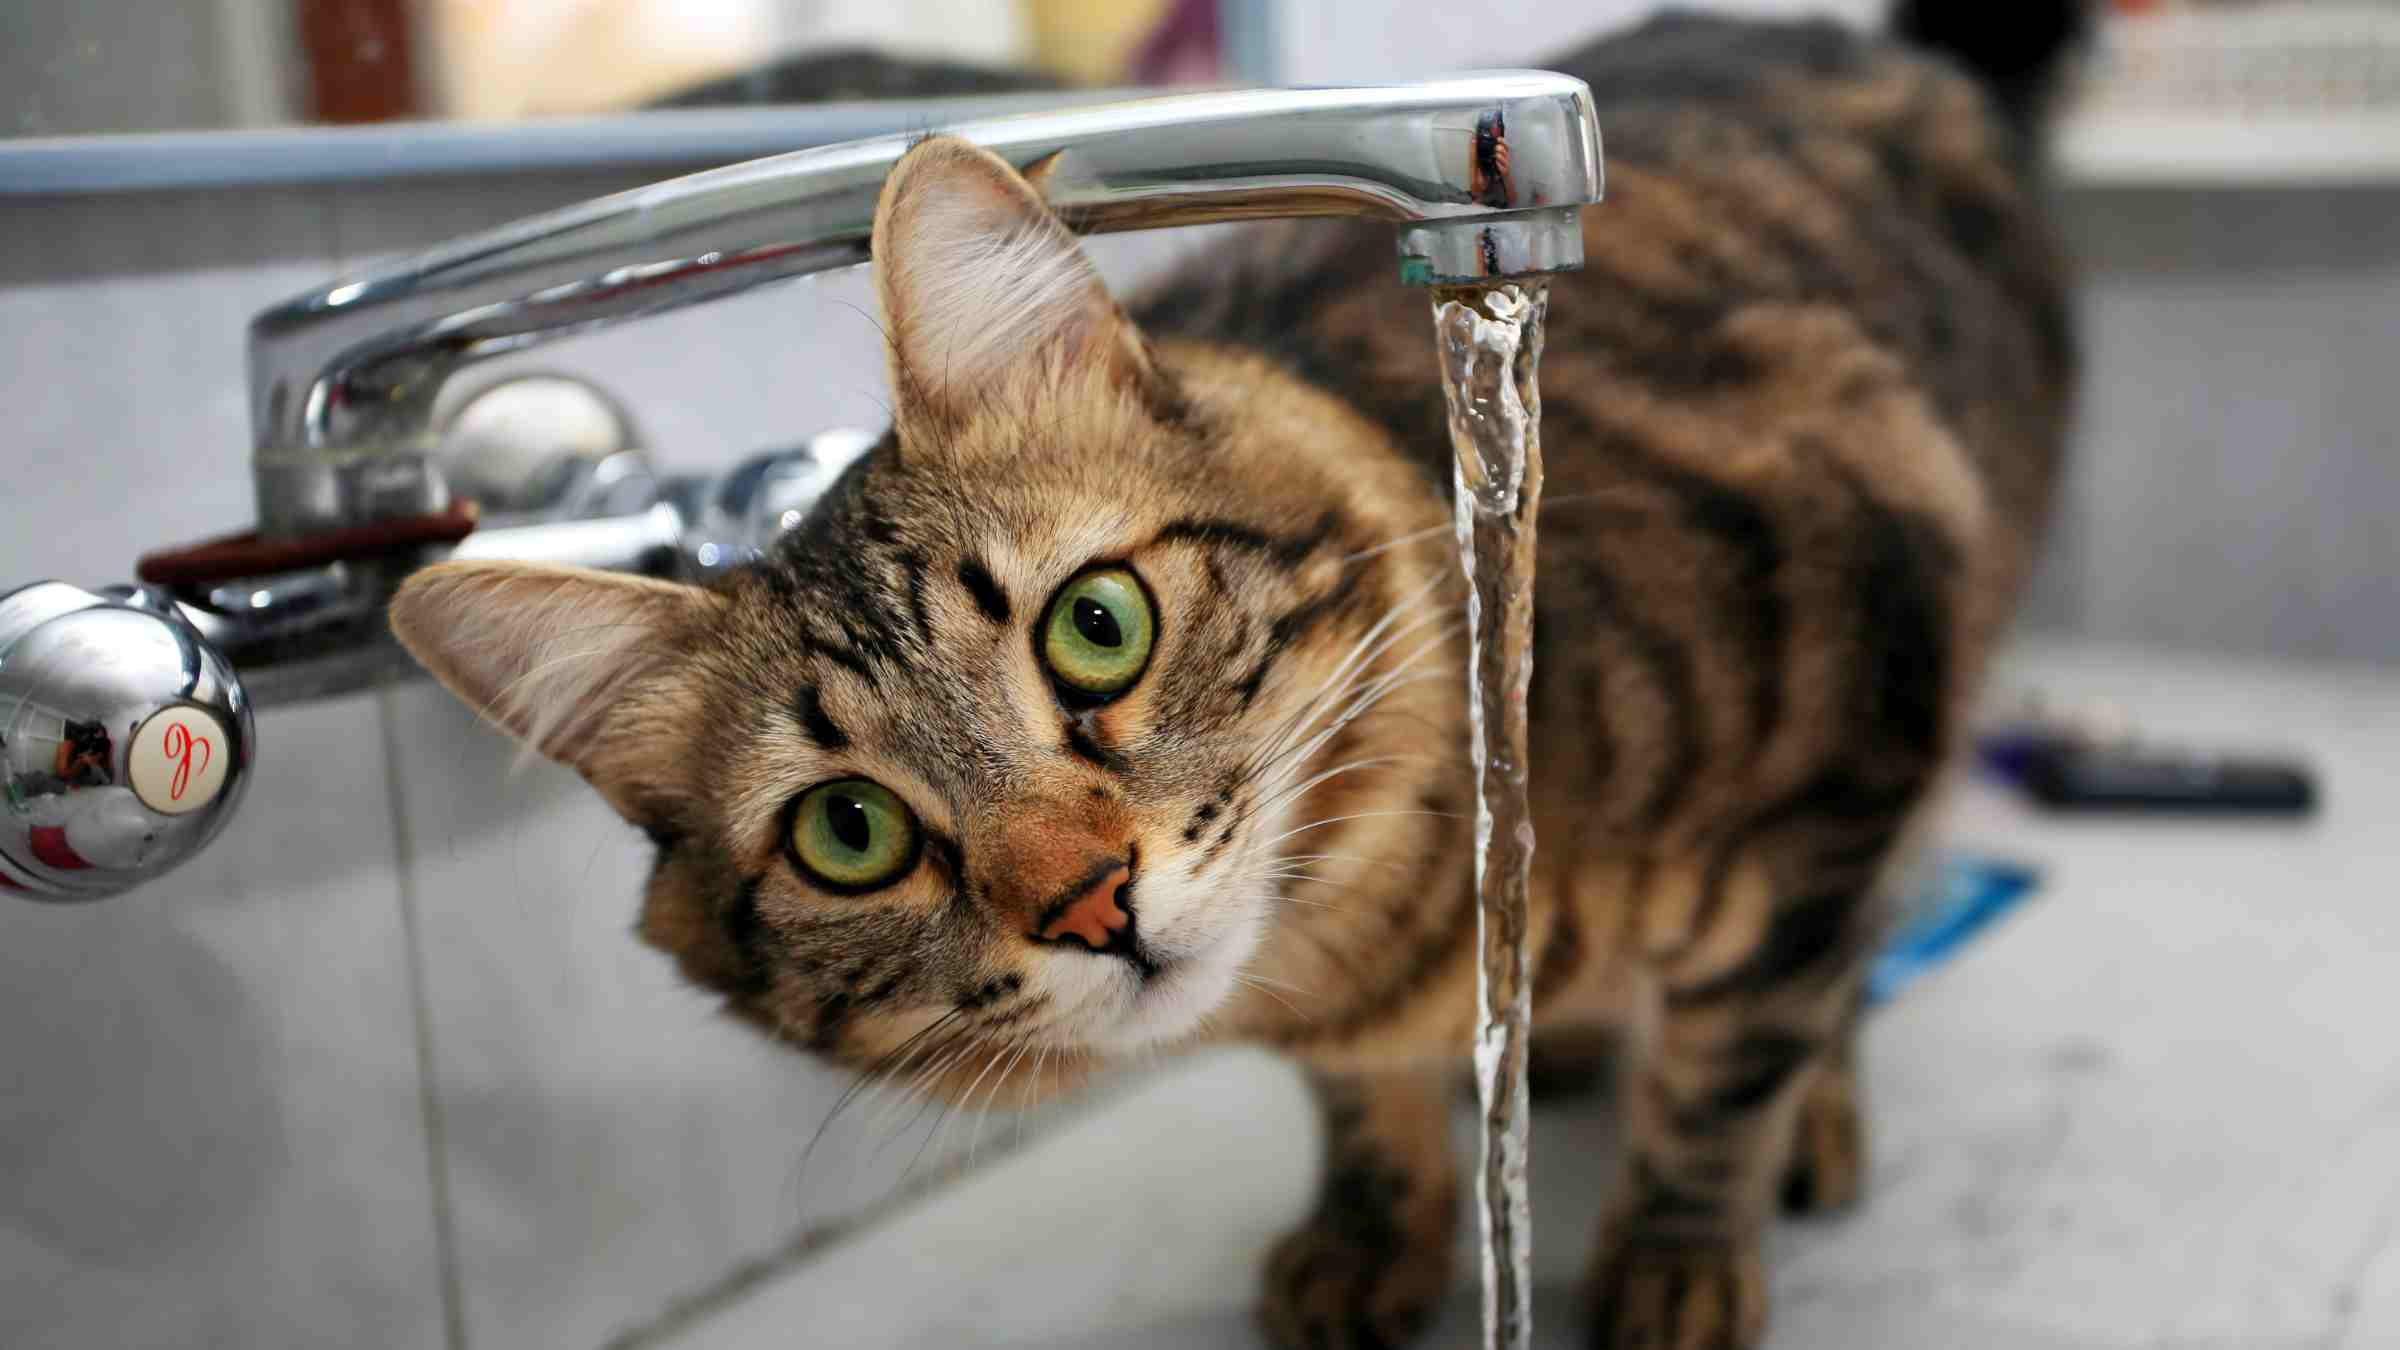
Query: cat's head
{"points": [[1021, 739]]}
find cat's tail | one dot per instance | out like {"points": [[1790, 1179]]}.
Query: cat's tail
{"points": [[2018, 50]]}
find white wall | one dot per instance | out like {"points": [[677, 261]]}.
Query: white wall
{"points": [[1364, 41], [2236, 472]]}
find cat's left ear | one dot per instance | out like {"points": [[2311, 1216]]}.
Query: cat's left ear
{"points": [[562, 659], [983, 287]]}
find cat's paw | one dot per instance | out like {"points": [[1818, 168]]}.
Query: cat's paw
{"points": [[1656, 1295], [1326, 1290], [1829, 1149]]}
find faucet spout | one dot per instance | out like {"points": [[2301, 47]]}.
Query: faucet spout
{"points": [[1482, 174]]}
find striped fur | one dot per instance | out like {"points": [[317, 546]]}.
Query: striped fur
{"points": [[1803, 411]]}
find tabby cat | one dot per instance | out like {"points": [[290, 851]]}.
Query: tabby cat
{"points": [[1115, 700]]}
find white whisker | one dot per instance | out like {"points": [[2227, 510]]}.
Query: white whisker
{"points": [[1253, 983], [1297, 874], [1285, 794], [1374, 693], [1282, 898], [1272, 984], [1397, 541], [1362, 654], [1360, 815], [993, 1099], [958, 1106], [1360, 859], [1339, 686]]}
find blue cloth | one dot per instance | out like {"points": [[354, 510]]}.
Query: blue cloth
{"points": [[1965, 897]]}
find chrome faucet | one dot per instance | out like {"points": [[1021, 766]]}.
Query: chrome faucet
{"points": [[1484, 178]]}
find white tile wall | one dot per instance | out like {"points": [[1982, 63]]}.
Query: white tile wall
{"points": [[217, 1128], [121, 320], [211, 1123], [211, 1116], [610, 1140]]}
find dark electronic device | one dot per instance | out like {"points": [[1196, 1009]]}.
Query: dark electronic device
{"points": [[2065, 775]]}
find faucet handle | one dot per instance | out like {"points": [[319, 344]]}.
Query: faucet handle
{"points": [[125, 740]]}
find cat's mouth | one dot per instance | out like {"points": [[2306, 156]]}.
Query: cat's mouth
{"points": [[1134, 958], [1172, 975]]}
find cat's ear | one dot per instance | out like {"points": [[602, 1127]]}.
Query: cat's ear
{"points": [[550, 655], [983, 286]]}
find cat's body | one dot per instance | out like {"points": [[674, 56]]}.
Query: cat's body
{"points": [[1802, 409]]}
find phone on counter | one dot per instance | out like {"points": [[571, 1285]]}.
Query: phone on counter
{"points": [[2067, 775]]}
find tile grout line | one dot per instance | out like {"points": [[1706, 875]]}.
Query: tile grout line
{"points": [[689, 1312], [429, 1100]]}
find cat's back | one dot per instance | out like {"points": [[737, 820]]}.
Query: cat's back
{"points": [[1760, 175], [1803, 407], [1771, 175]]}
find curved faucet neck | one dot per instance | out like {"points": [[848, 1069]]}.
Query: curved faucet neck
{"points": [[343, 379]]}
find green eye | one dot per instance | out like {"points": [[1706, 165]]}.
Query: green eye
{"points": [[1097, 638], [853, 834]]}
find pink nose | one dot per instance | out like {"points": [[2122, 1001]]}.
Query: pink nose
{"points": [[1093, 913]]}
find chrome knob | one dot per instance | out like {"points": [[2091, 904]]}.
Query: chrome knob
{"points": [[734, 519], [545, 447], [125, 740]]}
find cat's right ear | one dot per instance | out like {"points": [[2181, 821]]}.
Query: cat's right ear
{"points": [[551, 654], [985, 291]]}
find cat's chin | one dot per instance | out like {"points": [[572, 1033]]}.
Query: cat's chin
{"points": [[1173, 1003], [1162, 1009]]}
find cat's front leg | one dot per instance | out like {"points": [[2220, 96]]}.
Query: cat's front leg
{"points": [[1372, 1263], [1711, 1113], [1828, 1165]]}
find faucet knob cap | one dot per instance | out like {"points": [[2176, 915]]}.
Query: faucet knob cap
{"points": [[125, 740]]}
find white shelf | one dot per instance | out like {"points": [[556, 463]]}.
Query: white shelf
{"points": [[2192, 149], [2272, 93]]}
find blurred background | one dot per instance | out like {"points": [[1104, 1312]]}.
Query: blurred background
{"points": [[385, 1067]]}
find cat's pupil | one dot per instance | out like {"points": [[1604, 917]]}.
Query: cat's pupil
{"points": [[1098, 626], [848, 821]]}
